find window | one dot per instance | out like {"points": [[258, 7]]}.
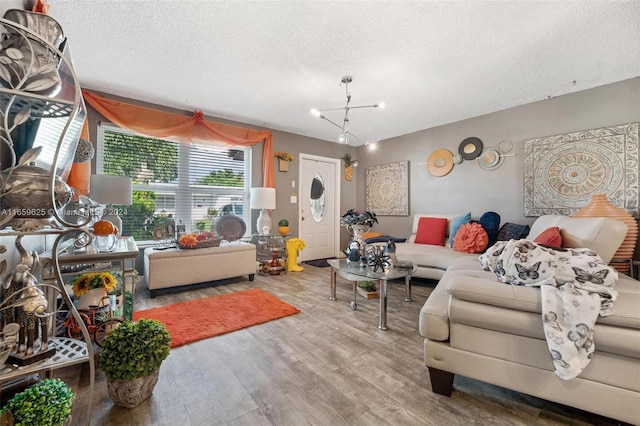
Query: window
{"points": [[191, 184]]}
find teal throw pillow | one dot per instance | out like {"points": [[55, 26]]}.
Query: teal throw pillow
{"points": [[456, 223]]}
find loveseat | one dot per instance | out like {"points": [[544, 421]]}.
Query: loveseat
{"points": [[481, 328]]}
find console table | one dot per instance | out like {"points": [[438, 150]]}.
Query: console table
{"points": [[354, 272]]}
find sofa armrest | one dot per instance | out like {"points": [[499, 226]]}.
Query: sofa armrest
{"points": [[434, 315]]}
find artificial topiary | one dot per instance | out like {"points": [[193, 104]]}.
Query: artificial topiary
{"points": [[283, 222], [134, 349], [46, 403]]}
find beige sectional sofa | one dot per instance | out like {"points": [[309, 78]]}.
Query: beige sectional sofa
{"points": [[478, 327]]}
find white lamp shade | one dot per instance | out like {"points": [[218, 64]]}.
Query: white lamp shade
{"points": [[263, 198], [106, 189]]}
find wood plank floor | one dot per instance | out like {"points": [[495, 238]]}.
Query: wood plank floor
{"points": [[328, 365]]}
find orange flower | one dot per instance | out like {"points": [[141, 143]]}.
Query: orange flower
{"points": [[189, 240], [470, 238]]}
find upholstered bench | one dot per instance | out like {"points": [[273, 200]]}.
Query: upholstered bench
{"points": [[175, 267]]}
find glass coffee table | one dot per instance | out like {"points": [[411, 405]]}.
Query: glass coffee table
{"points": [[352, 271]]}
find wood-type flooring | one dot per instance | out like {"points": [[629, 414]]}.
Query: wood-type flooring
{"points": [[328, 365]]}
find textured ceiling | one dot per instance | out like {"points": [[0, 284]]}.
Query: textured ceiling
{"points": [[268, 63]]}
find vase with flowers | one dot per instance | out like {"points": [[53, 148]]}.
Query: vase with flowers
{"points": [[93, 288], [283, 160], [358, 223]]}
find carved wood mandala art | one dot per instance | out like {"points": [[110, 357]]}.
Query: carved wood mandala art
{"points": [[388, 189], [563, 172]]}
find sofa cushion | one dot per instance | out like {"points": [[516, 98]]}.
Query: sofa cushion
{"points": [[431, 230], [513, 231], [427, 255], [490, 221], [550, 237], [456, 223], [600, 234], [471, 238]]}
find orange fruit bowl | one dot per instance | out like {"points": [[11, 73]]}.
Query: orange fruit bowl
{"points": [[104, 227]]}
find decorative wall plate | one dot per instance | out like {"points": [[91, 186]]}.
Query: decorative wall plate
{"points": [[230, 227], [490, 159], [440, 162], [470, 148]]}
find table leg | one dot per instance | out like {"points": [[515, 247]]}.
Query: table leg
{"points": [[332, 288], [382, 285], [407, 289]]}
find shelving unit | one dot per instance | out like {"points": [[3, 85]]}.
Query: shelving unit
{"points": [[42, 86]]}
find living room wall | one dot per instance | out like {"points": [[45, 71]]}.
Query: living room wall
{"points": [[470, 188]]}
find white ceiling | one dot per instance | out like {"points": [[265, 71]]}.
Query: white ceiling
{"points": [[268, 63]]}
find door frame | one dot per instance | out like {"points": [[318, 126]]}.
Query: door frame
{"points": [[336, 196]]}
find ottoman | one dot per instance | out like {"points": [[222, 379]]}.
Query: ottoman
{"points": [[176, 267]]}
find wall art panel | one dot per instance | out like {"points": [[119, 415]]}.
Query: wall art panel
{"points": [[388, 189], [563, 172]]}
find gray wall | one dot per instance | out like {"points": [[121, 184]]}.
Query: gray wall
{"points": [[469, 188]]}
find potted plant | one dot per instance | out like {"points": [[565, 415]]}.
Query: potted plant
{"points": [[46, 403], [368, 289], [283, 160], [91, 288], [283, 227], [131, 357]]}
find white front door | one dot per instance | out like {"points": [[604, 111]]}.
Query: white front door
{"points": [[319, 216]]}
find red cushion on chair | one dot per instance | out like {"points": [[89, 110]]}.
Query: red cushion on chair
{"points": [[550, 237], [431, 230]]}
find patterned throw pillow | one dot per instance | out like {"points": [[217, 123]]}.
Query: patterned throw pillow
{"points": [[513, 231], [471, 238]]}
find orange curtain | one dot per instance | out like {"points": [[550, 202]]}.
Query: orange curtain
{"points": [[158, 124]]}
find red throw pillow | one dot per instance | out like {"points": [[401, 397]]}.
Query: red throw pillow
{"points": [[431, 230], [550, 237], [471, 238]]}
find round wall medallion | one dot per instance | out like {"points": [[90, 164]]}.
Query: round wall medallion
{"points": [[440, 162], [490, 159], [470, 148], [457, 159]]}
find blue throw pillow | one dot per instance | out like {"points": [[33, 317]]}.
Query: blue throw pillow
{"points": [[456, 223], [490, 221]]}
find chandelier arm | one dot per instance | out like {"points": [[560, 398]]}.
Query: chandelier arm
{"points": [[334, 123], [364, 106]]}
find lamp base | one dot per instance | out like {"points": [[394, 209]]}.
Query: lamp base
{"points": [[263, 224]]}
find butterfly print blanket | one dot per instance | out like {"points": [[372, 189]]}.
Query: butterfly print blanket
{"points": [[576, 286]]}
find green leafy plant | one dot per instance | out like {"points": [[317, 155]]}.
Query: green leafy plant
{"points": [[134, 349], [46, 403], [283, 222], [348, 161], [367, 285]]}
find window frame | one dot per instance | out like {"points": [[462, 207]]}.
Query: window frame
{"points": [[184, 192]]}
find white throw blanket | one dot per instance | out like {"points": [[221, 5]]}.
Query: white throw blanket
{"points": [[576, 285]]}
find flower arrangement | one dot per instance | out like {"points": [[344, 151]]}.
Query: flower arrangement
{"points": [[83, 283], [198, 239], [284, 156], [357, 217]]}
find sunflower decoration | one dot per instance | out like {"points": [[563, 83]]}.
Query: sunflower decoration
{"points": [[85, 282]]}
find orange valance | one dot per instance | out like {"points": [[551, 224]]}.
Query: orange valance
{"points": [[158, 124]]}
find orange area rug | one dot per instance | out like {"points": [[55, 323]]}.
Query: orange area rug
{"points": [[203, 318]]}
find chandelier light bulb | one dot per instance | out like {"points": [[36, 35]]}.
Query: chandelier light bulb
{"points": [[381, 105], [315, 112], [372, 146], [341, 137]]}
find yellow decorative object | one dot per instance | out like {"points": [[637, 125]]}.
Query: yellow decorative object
{"points": [[85, 282], [293, 245], [349, 164], [283, 230]]}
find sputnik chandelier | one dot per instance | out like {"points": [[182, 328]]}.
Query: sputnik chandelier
{"points": [[345, 132]]}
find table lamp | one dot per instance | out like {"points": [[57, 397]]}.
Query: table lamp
{"points": [[110, 190], [264, 199]]}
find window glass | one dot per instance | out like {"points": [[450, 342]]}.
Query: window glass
{"points": [[190, 184], [317, 198]]}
